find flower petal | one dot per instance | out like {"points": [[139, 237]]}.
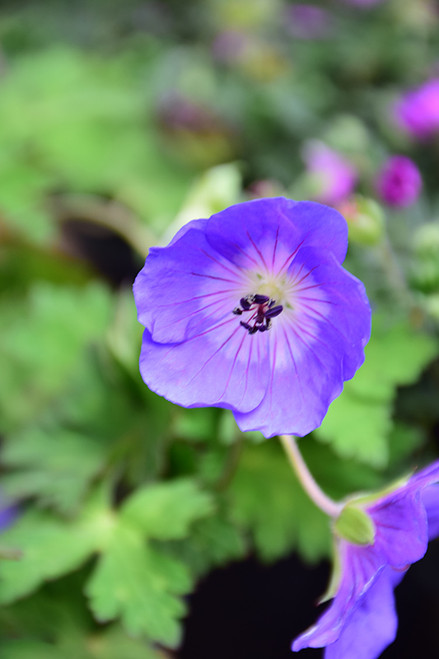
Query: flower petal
{"points": [[401, 527], [430, 499], [314, 346], [185, 288], [222, 366], [360, 568], [371, 627], [266, 233]]}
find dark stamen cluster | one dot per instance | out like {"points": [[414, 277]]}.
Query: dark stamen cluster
{"points": [[263, 310]]}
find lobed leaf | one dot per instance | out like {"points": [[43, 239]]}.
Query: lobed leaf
{"points": [[138, 583], [359, 421], [166, 510]]}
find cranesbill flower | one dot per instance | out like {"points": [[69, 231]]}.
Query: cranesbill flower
{"points": [[399, 181], [386, 534], [417, 112], [252, 311]]}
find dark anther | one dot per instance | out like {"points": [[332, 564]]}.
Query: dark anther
{"points": [[273, 311], [246, 302], [260, 299], [262, 309]]}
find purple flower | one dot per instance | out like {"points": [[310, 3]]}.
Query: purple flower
{"points": [[251, 310], [307, 21], [399, 181], [363, 3], [229, 45], [334, 175], [8, 514], [418, 111], [361, 621]]}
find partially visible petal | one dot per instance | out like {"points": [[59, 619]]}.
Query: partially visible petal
{"points": [[329, 228], [360, 568], [372, 625], [297, 396], [401, 528], [330, 302], [426, 476], [430, 499], [199, 225], [266, 233], [223, 366], [185, 288]]}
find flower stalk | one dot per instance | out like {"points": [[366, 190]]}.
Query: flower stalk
{"points": [[321, 500]]}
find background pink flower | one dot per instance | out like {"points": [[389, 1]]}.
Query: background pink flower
{"points": [[417, 112], [335, 175]]}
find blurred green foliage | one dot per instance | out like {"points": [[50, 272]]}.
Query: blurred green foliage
{"points": [[127, 119]]}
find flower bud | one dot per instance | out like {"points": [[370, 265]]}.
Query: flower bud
{"points": [[365, 219], [354, 525]]}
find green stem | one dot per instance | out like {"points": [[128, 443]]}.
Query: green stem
{"points": [[321, 500]]}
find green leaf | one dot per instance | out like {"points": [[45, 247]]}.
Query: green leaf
{"points": [[54, 463], [357, 427], [139, 584], [136, 581], [214, 190], [165, 511], [359, 421], [50, 547], [42, 342], [55, 623], [213, 541], [267, 500], [27, 649]]}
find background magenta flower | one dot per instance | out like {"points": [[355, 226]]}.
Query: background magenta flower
{"points": [[361, 621], [363, 3], [417, 111], [399, 181], [305, 21], [251, 310], [335, 176]]}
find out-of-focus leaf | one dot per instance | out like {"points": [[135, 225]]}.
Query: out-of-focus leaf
{"points": [[56, 464], [165, 511], [216, 189], [42, 342], [55, 623], [29, 650], [81, 123], [213, 541], [359, 421], [267, 500], [49, 548]]}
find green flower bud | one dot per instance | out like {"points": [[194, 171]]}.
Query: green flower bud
{"points": [[424, 271], [365, 219], [355, 525]]}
